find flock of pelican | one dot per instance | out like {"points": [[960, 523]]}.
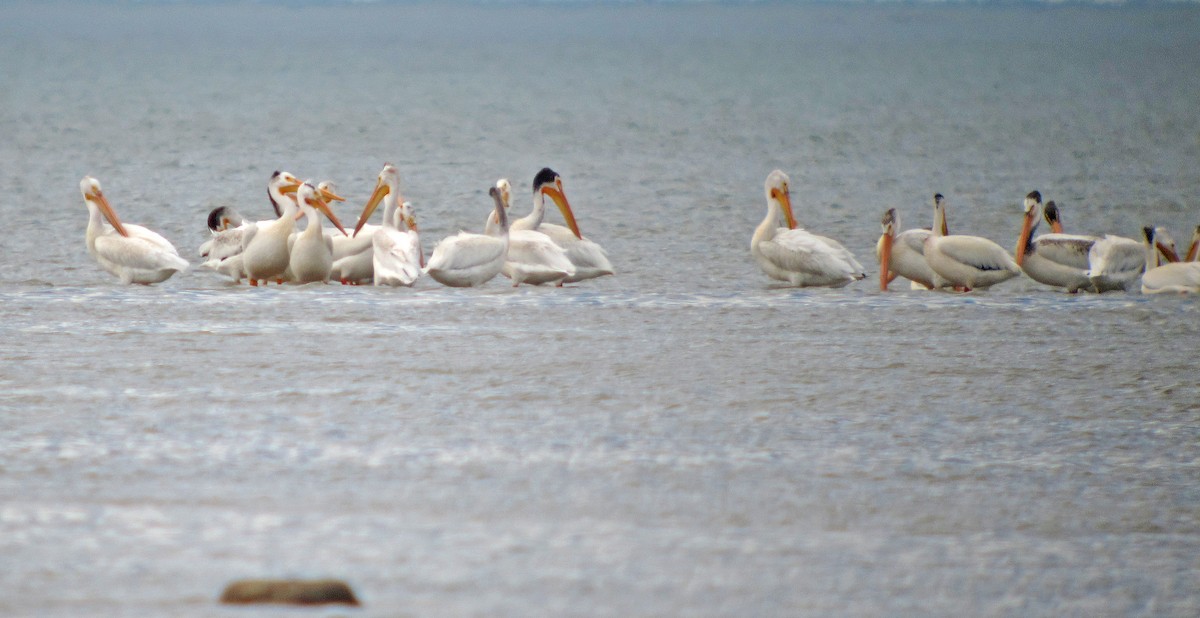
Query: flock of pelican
{"points": [[530, 250], [527, 251], [936, 259]]}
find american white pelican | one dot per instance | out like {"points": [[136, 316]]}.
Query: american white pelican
{"points": [[1193, 253], [311, 251], [1173, 277], [902, 254], [396, 255], [795, 255], [966, 262], [223, 250], [466, 259], [265, 244], [589, 258], [533, 257], [351, 254], [131, 252], [1055, 259]]}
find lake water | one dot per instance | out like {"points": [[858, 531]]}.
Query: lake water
{"points": [[684, 438]]}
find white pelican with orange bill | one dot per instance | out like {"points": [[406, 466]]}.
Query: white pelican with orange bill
{"points": [[131, 252], [1170, 278], [466, 259], [311, 251], [396, 255], [588, 258], [965, 262], [797, 256], [902, 254], [1055, 259]]}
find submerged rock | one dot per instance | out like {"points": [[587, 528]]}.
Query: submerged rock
{"points": [[289, 591]]}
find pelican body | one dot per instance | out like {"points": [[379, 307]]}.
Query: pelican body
{"points": [[131, 252], [311, 251], [265, 253], [588, 258], [794, 255], [965, 262], [396, 256], [902, 254], [533, 257], [467, 260], [1172, 277], [1055, 259]]}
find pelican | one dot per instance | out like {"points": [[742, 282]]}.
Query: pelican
{"points": [[533, 257], [589, 258], [131, 252], [224, 250], [966, 262], [265, 244], [466, 259], [902, 254], [351, 254], [396, 256], [1055, 259], [311, 251], [1193, 254], [1174, 277], [795, 255]]}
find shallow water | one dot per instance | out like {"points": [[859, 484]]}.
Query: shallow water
{"points": [[683, 438]]}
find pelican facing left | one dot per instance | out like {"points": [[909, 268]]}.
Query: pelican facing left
{"points": [[131, 252]]}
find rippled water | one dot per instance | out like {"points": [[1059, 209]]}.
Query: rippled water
{"points": [[684, 438]]}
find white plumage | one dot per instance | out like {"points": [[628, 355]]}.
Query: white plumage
{"points": [[131, 252]]}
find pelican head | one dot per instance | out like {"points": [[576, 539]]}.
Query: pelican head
{"points": [[548, 182], [1194, 249], [94, 196], [1032, 201], [890, 222], [224, 217], [777, 188], [281, 183], [387, 183], [1050, 213], [1165, 244], [940, 228], [501, 213], [505, 189], [308, 195], [328, 192], [409, 215]]}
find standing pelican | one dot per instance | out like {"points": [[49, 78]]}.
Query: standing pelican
{"points": [[966, 262], [532, 256], [1173, 277], [396, 256], [1055, 259], [795, 255], [902, 254], [265, 245], [131, 252], [466, 259], [589, 258], [311, 251]]}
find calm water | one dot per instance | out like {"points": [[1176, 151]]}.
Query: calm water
{"points": [[681, 439]]}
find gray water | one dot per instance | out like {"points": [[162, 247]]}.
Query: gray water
{"points": [[684, 438]]}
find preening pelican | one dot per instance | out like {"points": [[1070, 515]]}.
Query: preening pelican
{"points": [[131, 252], [795, 255], [966, 262], [1173, 277], [396, 256], [589, 258], [902, 254], [1055, 259], [466, 259], [311, 251], [532, 256]]}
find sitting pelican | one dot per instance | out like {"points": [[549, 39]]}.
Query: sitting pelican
{"points": [[1173, 277], [223, 252], [795, 255], [265, 244], [1055, 259], [902, 254], [589, 258], [131, 252], [466, 259], [351, 254], [966, 262], [532, 256], [396, 256], [311, 251]]}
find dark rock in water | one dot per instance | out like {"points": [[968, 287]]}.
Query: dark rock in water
{"points": [[289, 591]]}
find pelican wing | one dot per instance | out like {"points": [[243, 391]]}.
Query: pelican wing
{"points": [[465, 250], [914, 239], [248, 233], [1114, 255], [976, 252], [138, 253], [537, 249], [397, 256], [802, 252], [224, 244], [1065, 249], [842, 252]]}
